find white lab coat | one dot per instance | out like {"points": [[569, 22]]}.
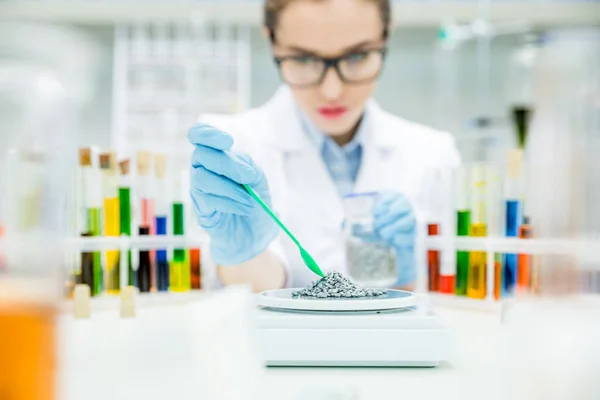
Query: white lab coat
{"points": [[397, 156]]}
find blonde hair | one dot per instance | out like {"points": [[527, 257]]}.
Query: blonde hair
{"points": [[273, 9]]}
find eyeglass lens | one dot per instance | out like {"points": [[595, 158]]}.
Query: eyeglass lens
{"points": [[309, 70]]}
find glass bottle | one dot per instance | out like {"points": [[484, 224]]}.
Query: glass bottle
{"points": [[370, 261], [42, 71]]}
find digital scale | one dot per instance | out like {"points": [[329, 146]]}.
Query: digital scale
{"points": [[392, 331]]}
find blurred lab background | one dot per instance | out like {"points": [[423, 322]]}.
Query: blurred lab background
{"points": [[180, 47]]}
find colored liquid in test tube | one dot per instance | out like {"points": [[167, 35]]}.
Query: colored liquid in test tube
{"points": [[111, 217], [513, 222], [147, 205], [143, 271], [463, 222], [87, 265], [127, 275], [161, 211], [524, 260], [195, 268], [513, 218], [162, 258], [91, 267], [433, 262], [477, 275], [440, 271], [180, 268], [498, 270]]}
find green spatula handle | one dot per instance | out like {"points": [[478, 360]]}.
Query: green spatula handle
{"points": [[268, 210]]}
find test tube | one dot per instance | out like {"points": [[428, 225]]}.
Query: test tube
{"points": [[463, 221], [180, 271], [433, 261], [513, 217], [477, 275], [195, 253], [127, 276], [438, 194], [524, 260], [111, 212], [496, 205], [147, 207], [113, 270], [161, 211], [87, 265], [91, 265], [144, 267], [195, 268], [180, 264]]}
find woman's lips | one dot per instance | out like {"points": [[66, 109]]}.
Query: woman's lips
{"points": [[332, 112]]}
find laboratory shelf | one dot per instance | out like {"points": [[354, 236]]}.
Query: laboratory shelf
{"points": [[406, 13]]}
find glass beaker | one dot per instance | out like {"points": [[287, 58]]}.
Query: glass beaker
{"points": [[38, 109], [370, 261]]}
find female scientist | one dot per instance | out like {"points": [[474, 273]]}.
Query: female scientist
{"points": [[318, 139]]}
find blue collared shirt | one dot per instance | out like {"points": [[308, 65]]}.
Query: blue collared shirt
{"points": [[342, 162]]}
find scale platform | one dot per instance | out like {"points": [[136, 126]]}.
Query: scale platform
{"points": [[404, 337]]}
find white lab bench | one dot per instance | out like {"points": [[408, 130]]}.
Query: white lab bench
{"points": [[172, 342]]}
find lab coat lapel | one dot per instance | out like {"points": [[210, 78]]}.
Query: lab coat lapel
{"points": [[378, 170], [308, 179], [372, 173]]}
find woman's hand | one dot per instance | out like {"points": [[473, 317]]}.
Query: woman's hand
{"points": [[395, 224], [238, 227]]}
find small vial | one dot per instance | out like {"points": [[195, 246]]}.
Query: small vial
{"points": [[433, 262], [370, 261]]}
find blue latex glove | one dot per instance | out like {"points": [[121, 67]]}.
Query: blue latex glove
{"points": [[238, 227], [395, 224]]}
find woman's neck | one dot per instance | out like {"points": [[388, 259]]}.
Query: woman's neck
{"points": [[347, 137]]}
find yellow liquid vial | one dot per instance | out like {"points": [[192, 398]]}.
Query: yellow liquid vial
{"points": [[477, 277], [112, 229], [180, 277]]}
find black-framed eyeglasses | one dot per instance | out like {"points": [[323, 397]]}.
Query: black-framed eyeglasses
{"points": [[309, 70]]}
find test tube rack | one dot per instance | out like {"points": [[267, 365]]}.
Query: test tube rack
{"points": [[578, 248]]}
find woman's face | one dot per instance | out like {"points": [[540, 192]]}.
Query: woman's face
{"points": [[330, 29]]}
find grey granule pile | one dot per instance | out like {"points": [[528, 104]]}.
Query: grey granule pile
{"points": [[335, 285]]}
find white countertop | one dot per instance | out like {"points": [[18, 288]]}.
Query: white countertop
{"points": [[178, 351], [204, 350]]}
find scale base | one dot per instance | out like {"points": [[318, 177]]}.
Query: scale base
{"points": [[410, 337]]}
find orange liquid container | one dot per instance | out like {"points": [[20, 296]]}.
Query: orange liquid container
{"points": [[195, 269], [524, 262], [433, 262], [497, 277], [27, 351]]}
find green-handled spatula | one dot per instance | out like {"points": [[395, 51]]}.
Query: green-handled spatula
{"points": [[308, 260]]}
